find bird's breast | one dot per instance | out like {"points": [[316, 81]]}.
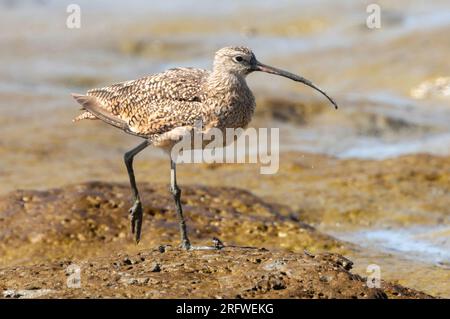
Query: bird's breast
{"points": [[235, 110]]}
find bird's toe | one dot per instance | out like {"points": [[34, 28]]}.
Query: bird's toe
{"points": [[136, 220]]}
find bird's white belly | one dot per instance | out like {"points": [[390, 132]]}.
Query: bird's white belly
{"points": [[190, 138]]}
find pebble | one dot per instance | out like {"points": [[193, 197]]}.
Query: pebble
{"points": [[155, 267]]}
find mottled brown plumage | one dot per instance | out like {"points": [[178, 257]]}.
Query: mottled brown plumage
{"points": [[163, 107], [158, 104]]}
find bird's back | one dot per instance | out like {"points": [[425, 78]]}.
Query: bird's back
{"points": [[150, 105]]}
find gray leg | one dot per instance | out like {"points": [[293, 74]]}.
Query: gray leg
{"points": [[176, 192], [136, 210]]}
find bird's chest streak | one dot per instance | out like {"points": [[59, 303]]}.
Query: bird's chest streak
{"points": [[230, 100], [234, 115]]}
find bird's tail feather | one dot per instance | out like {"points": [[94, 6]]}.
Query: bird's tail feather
{"points": [[85, 116], [91, 104]]}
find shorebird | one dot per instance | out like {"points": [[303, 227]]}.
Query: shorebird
{"points": [[161, 108]]}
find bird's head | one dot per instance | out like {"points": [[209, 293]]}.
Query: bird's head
{"points": [[241, 61], [238, 60]]}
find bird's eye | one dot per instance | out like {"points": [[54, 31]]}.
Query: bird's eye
{"points": [[238, 59]]}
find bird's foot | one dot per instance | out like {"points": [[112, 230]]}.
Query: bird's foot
{"points": [[136, 220], [186, 244], [217, 245]]}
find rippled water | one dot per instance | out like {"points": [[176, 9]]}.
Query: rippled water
{"points": [[370, 72], [428, 244]]}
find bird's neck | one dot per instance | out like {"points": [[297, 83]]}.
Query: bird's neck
{"points": [[220, 81], [230, 99]]}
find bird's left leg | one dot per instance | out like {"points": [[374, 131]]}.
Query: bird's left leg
{"points": [[136, 209]]}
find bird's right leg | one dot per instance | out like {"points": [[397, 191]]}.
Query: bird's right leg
{"points": [[136, 210], [176, 192]]}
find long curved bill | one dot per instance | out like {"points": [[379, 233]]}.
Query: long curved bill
{"points": [[270, 69]]}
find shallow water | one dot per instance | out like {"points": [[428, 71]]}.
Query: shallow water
{"points": [[427, 244], [368, 71], [386, 82]]}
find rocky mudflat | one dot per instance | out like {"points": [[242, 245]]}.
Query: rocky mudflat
{"points": [[50, 235], [90, 219], [172, 273]]}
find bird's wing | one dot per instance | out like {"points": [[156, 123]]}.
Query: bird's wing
{"points": [[149, 105]]}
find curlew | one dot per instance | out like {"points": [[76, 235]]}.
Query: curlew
{"points": [[161, 108]]}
